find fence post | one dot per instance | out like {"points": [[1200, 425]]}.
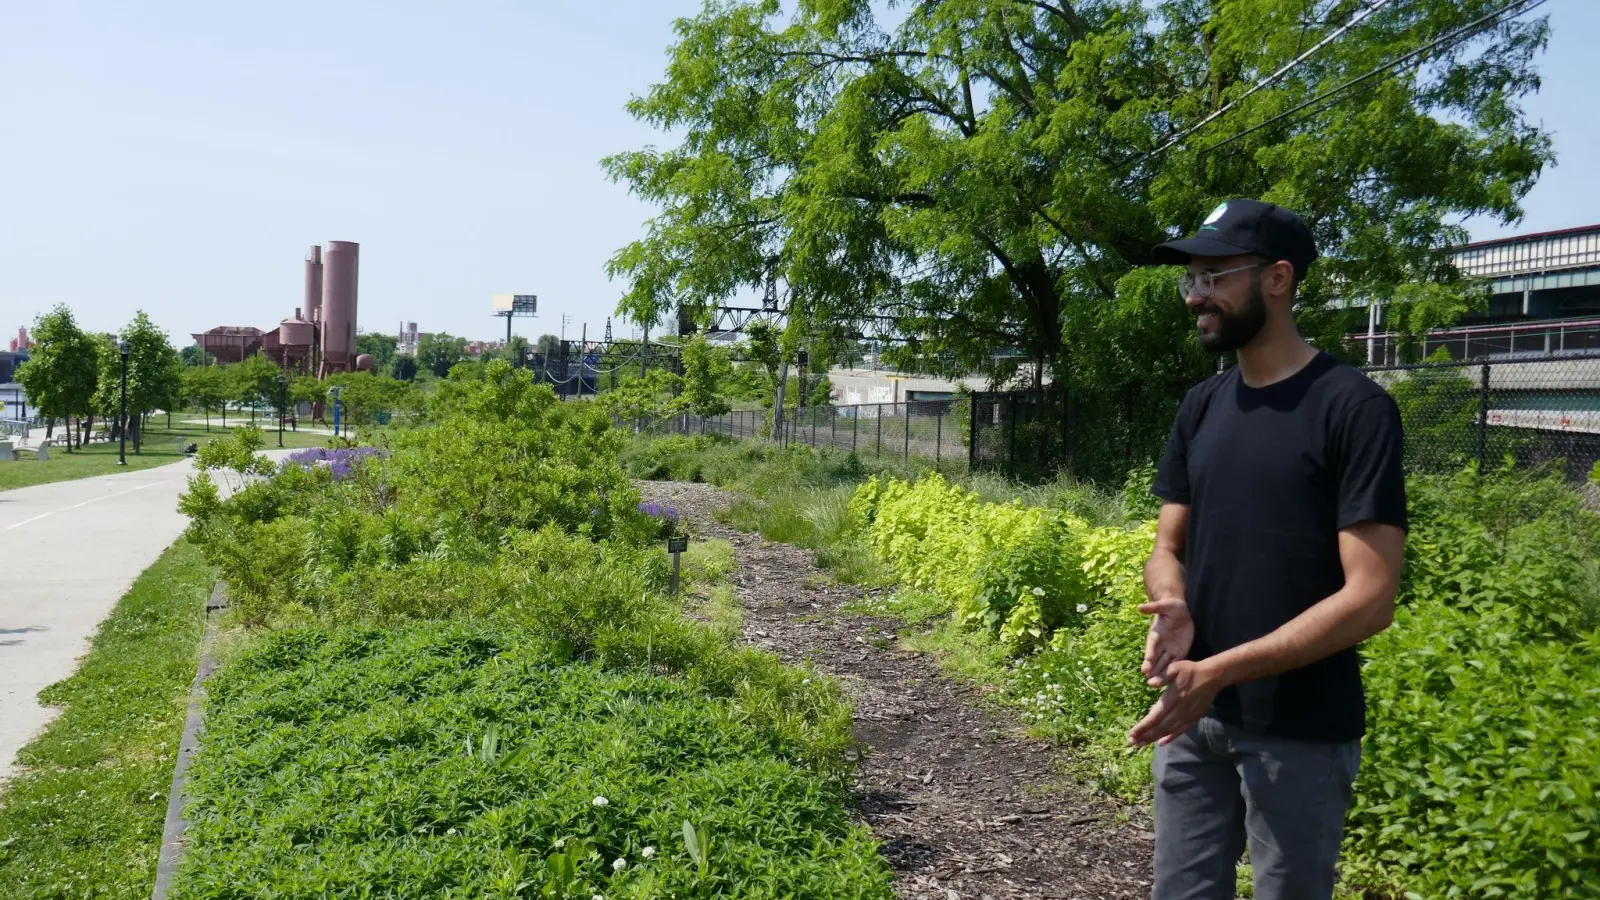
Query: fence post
{"points": [[938, 438], [972, 433], [905, 456], [880, 431], [833, 430], [1011, 440], [813, 427], [1483, 416], [855, 426]]}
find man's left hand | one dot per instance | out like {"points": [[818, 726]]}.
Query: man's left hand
{"points": [[1191, 687]]}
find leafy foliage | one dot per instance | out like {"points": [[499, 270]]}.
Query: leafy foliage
{"points": [[155, 379], [986, 173], [1480, 771], [704, 370], [469, 759], [439, 353], [63, 368]]}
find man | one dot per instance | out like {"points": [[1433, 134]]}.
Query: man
{"points": [[1278, 550]]}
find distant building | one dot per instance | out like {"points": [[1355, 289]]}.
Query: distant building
{"points": [[21, 343], [1544, 298], [320, 338], [409, 339]]}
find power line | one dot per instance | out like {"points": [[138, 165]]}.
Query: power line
{"points": [[1331, 95], [1357, 19]]}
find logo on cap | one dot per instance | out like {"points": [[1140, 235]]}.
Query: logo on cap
{"points": [[1216, 214]]}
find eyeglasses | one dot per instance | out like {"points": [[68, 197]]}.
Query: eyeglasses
{"points": [[1203, 284]]}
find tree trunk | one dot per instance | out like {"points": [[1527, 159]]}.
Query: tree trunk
{"points": [[49, 427], [137, 432], [208, 415], [224, 414]]}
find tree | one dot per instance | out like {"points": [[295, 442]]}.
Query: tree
{"points": [[439, 352], [363, 395], [204, 387], [62, 370], [254, 383], [381, 347], [404, 368], [989, 174], [154, 380], [705, 368], [516, 352], [193, 355]]}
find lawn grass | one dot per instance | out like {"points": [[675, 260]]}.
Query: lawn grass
{"points": [[160, 447], [83, 816]]}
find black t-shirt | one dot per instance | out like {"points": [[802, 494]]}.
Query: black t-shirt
{"points": [[1271, 475]]}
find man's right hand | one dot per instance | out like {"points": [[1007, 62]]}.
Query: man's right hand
{"points": [[1171, 635]]}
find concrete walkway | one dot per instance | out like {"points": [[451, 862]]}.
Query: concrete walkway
{"points": [[68, 552]]}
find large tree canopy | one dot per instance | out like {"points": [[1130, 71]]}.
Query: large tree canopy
{"points": [[988, 173]]}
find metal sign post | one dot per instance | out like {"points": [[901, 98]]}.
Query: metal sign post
{"points": [[676, 546]]}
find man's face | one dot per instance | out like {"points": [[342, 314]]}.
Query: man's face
{"points": [[1229, 308]]}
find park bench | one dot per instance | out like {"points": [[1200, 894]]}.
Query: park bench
{"points": [[8, 451], [41, 452]]}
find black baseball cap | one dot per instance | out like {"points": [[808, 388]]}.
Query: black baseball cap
{"points": [[1239, 227]]}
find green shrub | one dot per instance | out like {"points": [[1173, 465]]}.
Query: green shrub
{"points": [[1009, 569]]}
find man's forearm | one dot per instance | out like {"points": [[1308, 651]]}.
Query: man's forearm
{"points": [[1163, 575], [1343, 620]]}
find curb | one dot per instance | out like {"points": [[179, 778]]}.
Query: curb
{"points": [[188, 745]]}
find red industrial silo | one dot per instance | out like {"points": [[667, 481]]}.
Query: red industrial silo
{"points": [[365, 363], [313, 283], [340, 265]]}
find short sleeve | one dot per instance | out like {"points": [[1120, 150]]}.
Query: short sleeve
{"points": [[1172, 474], [1371, 449]]}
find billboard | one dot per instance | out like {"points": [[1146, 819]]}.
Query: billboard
{"points": [[518, 304]]}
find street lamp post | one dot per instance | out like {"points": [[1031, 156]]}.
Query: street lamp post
{"points": [[122, 430], [283, 404]]}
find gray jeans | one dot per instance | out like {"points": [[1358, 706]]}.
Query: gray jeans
{"points": [[1218, 786]]}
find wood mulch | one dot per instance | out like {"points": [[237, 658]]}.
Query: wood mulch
{"points": [[964, 804]]}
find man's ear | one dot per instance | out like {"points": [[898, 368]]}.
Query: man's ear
{"points": [[1277, 280]]}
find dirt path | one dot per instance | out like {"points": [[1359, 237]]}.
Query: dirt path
{"points": [[964, 804]]}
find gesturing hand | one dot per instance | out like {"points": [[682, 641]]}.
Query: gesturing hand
{"points": [[1191, 686], [1171, 635]]}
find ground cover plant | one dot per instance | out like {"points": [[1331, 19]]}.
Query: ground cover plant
{"points": [[83, 815], [499, 520], [452, 759]]}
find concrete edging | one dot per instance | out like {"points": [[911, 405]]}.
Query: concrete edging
{"points": [[188, 745]]}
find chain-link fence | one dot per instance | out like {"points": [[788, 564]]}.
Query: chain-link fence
{"points": [[1533, 410], [929, 431]]}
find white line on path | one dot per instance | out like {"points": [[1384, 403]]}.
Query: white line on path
{"points": [[77, 505]]}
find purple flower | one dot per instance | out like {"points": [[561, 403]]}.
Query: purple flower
{"points": [[341, 463], [659, 511]]}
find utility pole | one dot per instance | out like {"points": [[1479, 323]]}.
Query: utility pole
{"points": [[644, 353], [583, 358]]}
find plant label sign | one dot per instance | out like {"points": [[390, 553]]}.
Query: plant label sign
{"points": [[677, 544]]}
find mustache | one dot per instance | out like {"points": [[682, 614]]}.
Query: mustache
{"points": [[1214, 310]]}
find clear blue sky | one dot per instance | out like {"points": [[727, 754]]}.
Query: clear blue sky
{"points": [[180, 156]]}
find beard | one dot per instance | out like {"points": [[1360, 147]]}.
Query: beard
{"points": [[1236, 329]]}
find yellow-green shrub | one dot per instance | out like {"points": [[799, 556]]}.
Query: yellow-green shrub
{"points": [[1007, 569]]}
